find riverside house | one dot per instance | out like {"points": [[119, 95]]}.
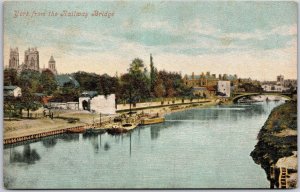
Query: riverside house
{"points": [[12, 91]]}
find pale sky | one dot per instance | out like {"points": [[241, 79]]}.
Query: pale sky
{"points": [[250, 39]]}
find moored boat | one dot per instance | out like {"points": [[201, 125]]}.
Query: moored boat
{"points": [[152, 120], [121, 128], [76, 130], [99, 130], [96, 130], [116, 130]]}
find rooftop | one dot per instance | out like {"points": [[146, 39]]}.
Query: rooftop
{"points": [[63, 79], [89, 94], [11, 87], [51, 59]]}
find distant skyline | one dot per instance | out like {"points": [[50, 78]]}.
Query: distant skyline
{"points": [[250, 39]]}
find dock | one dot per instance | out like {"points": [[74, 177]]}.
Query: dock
{"points": [[34, 136]]}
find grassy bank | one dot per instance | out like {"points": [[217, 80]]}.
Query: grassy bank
{"points": [[278, 137]]}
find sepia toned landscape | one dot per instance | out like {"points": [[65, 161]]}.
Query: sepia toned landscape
{"points": [[150, 95]]}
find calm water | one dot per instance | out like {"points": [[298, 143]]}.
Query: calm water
{"points": [[198, 148]]}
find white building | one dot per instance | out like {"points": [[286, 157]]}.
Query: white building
{"points": [[224, 88], [99, 104], [267, 87], [274, 88], [13, 91], [66, 105]]}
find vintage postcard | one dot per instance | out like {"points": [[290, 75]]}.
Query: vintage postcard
{"points": [[150, 94]]}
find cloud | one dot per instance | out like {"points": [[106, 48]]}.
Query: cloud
{"points": [[285, 30], [198, 27], [157, 25]]}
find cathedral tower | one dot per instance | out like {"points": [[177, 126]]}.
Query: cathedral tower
{"points": [[31, 60], [14, 58]]}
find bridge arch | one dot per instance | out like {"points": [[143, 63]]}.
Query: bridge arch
{"points": [[241, 95]]}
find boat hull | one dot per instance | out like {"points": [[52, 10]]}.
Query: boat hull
{"points": [[152, 121], [76, 130], [115, 131]]}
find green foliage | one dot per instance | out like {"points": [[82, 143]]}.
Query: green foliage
{"points": [[47, 82], [153, 74], [69, 92], [103, 84], [28, 101], [14, 106], [134, 85], [249, 87], [10, 77], [29, 79], [137, 66]]}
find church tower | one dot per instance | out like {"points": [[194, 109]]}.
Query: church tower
{"points": [[31, 60], [14, 58], [51, 65]]}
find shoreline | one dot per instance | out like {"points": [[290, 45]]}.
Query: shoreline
{"points": [[48, 127], [276, 149]]}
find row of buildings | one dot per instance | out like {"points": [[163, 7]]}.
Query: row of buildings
{"points": [[209, 85], [280, 85], [31, 61]]}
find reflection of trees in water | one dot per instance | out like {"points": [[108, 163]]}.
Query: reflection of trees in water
{"points": [[106, 146], [49, 142], [28, 156], [156, 128], [70, 137], [154, 133], [93, 138]]}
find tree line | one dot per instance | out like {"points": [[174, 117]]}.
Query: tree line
{"points": [[137, 85]]}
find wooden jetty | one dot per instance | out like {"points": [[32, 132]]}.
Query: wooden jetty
{"points": [[13, 140]]}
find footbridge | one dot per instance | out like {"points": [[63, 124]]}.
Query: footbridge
{"points": [[237, 96]]}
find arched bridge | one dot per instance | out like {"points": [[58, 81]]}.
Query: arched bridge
{"points": [[237, 96]]}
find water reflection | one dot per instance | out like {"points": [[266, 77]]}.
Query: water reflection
{"points": [[154, 132], [28, 155], [106, 146], [93, 138], [199, 131], [156, 128], [49, 142], [70, 137], [130, 144], [232, 113]]}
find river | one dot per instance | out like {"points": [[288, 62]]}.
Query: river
{"points": [[197, 148]]}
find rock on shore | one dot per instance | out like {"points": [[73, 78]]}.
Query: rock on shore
{"points": [[277, 138]]}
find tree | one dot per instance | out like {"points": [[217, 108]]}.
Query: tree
{"points": [[47, 82], [159, 89], [88, 81], [103, 84], [29, 79], [136, 66], [138, 80], [28, 101], [10, 77], [153, 74], [69, 92]]}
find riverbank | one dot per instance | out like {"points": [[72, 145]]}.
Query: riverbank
{"points": [[15, 128], [277, 146]]}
